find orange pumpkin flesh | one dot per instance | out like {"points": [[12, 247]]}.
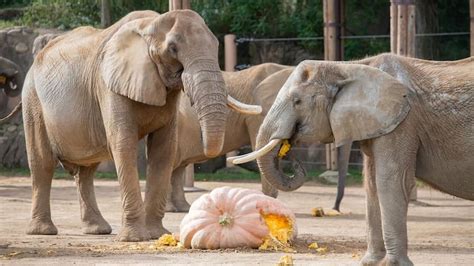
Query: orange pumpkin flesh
{"points": [[279, 227], [232, 217]]}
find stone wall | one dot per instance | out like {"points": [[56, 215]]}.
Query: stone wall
{"points": [[16, 44]]}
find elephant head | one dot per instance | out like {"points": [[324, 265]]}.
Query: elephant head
{"points": [[11, 77], [146, 58], [327, 102]]}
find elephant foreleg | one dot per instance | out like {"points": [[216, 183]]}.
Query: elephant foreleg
{"points": [[176, 201], [124, 151], [395, 174], [375, 245], [161, 153], [92, 220], [343, 154]]}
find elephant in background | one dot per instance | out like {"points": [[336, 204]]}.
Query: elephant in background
{"points": [[11, 77], [258, 85], [241, 129], [412, 117], [92, 94]]}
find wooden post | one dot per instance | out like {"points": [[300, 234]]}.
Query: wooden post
{"points": [[402, 27], [393, 27], [411, 30], [472, 25], [179, 4], [230, 48], [332, 51], [105, 19], [402, 30]]}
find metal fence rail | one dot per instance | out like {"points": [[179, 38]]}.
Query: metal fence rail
{"points": [[349, 37]]}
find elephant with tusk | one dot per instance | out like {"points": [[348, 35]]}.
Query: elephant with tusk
{"points": [[91, 94], [412, 117], [241, 129], [11, 77]]}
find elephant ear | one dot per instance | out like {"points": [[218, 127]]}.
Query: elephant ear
{"points": [[369, 103], [266, 92], [128, 68]]}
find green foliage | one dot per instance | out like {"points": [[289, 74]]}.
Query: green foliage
{"points": [[65, 14], [62, 14], [262, 18], [14, 3], [8, 24], [120, 8]]}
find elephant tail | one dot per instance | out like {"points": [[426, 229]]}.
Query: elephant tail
{"points": [[11, 114]]}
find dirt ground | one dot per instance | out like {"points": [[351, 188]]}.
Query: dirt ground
{"points": [[440, 234]]}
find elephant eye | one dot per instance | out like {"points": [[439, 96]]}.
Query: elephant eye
{"points": [[173, 49], [296, 101]]}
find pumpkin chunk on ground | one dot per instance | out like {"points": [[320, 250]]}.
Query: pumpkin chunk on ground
{"points": [[166, 240]]}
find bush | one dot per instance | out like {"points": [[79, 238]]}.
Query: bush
{"points": [[62, 14]]}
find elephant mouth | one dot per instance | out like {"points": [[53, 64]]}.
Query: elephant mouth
{"points": [[173, 78]]}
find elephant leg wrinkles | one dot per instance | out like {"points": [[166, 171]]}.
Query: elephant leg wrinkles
{"points": [[124, 151], [395, 174], [375, 246], [92, 220], [42, 163], [176, 201], [161, 153]]}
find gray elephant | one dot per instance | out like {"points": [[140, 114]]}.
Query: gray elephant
{"points": [[259, 85], [11, 77], [92, 94], [420, 123], [241, 129]]}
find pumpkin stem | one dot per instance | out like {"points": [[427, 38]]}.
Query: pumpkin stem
{"points": [[225, 219]]}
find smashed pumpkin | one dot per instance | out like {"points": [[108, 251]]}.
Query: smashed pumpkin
{"points": [[235, 217]]}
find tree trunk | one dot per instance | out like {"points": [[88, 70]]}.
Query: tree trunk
{"points": [[105, 14], [427, 22]]}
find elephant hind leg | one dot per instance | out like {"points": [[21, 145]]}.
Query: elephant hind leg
{"points": [[92, 220], [42, 163], [176, 201]]}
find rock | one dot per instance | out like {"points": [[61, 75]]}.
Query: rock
{"points": [[15, 31], [11, 128], [21, 48], [330, 177], [3, 36], [27, 30]]}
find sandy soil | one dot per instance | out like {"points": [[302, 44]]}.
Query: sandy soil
{"points": [[440, 234]]}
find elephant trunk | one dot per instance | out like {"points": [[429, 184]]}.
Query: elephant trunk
{"points": [[204, 84], [269, 163]]}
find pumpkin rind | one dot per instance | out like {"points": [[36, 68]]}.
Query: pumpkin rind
{"points": [[229, 218]]}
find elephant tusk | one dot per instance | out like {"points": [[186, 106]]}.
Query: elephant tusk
{"points": [[13, 86], [254, 155], [243, 107]]}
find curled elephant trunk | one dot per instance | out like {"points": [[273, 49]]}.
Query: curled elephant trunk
{"points": [[269, 165], [278, 126], [204, 84], [268, 158]]}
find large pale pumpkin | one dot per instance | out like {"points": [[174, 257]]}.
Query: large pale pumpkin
{"points": [[235, 217]]}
